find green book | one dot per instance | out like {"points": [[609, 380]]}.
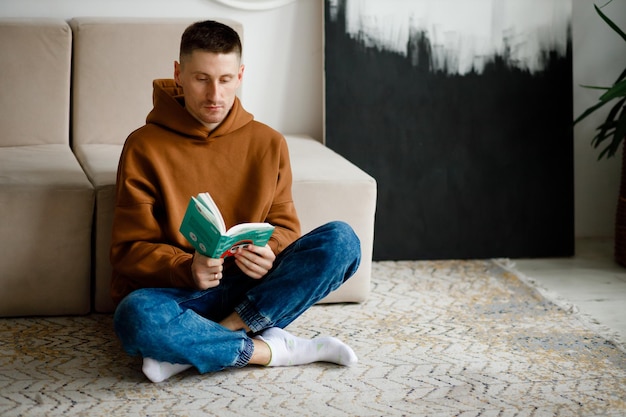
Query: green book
{"points": [[203, 226]]}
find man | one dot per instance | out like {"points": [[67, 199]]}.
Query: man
{"points": [[177, 308]]}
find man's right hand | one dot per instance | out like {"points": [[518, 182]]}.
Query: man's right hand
{"points": [[206, 272]]}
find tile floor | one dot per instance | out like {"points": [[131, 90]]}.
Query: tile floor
{"points": [[591, 280]]}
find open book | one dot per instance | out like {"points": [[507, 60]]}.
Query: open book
{"points": [[203, 226]]}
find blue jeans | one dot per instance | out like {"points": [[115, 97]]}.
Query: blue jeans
{"points": [[181, 325]]}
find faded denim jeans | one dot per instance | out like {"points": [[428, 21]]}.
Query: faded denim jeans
{"points": [[181, 326]]}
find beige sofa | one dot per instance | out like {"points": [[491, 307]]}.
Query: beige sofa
{"points": [[113, 64]]}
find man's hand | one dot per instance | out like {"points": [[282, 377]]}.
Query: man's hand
{"points": [[206, 272], [255, 261]]}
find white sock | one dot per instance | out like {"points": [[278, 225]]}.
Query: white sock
{"points": [[288, 349], [159, 371]]}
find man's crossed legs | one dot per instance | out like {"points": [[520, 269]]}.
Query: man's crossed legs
{"points": [[176, 329]]}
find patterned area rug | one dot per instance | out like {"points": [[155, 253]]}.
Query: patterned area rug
{"points": [[446, 338]]}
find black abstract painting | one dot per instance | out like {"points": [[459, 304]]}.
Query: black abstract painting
{"points": [[462, 112]]}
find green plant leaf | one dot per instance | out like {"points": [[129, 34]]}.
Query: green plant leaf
{"points": [[618, 90], [605, 131], [613, 128], [610, 23], [609, 122], [595, 87], [610, 118], [620, 131], [603, 153], [608, 136]]}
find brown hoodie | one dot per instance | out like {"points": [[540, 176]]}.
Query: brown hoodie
{"points": [[243, 164]]}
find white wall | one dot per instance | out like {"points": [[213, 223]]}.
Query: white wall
{"points": [[283, 53]]}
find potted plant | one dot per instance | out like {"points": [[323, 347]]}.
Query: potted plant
{"points": [[611, 134]]}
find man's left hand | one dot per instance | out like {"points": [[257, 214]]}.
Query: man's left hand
{"points": [[255, 261]]}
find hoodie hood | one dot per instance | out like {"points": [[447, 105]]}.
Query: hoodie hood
{"points": [[169, 112]]}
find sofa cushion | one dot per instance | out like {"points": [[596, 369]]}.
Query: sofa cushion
{"points": [[35, 82], [46, 203], [99, 162], [328, 187]]}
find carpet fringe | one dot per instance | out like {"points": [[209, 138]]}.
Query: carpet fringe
{"points": [[566, 305]]}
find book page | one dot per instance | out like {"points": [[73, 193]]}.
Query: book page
{"points": [[207, 201]]}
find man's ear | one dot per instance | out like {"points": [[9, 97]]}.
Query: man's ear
{"points": [[177, 72], [240, 73]]}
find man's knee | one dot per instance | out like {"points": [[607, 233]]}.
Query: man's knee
{"points": [[137, 316], [346, 240], [345, 248]]}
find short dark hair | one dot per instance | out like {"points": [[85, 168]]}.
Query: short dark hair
{"points": [[210, 36]]}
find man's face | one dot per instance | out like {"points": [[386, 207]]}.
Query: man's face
{"points": [[209, 81]]}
